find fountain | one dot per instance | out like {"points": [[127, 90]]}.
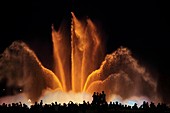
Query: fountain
{"points": [[79, 69]]}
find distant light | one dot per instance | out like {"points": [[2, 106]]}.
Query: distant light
{"points": [[3, 89], [20, 90], [29, 100], [131, 102]]}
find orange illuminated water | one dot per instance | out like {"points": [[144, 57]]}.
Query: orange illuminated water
{"points": [[86, 54], [80, 69], [118, 74]]}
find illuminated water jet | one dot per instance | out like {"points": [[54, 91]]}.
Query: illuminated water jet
{"points": [[119, 71], [21, 68], [79, 70], [86, 51]]}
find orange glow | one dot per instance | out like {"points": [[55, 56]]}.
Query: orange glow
{"points": [[56, 37], [79, 69], [86, 53], [117, 73], [61, 57]]}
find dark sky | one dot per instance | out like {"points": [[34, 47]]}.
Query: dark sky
{"points": [[139, 25]]}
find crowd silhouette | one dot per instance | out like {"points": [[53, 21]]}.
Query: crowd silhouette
{"points": [[98, 105]]}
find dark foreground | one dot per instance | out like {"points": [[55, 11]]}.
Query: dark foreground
{"points": [[98, 105], [71, 107]]}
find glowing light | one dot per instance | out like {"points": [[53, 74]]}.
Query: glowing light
{"points": [[86, 53], [79, 69], [21, 67], [66, 97], [131, 102], [120, 71], [29, 100]]}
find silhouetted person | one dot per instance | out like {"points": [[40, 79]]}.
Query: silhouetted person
{"points": [[135, 107], [152, 106], [145, 105], [100, 106], [41, 103], [95, 98], [103, 98]]}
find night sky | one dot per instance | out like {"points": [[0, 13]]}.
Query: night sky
{"points": [[137, 25]]}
